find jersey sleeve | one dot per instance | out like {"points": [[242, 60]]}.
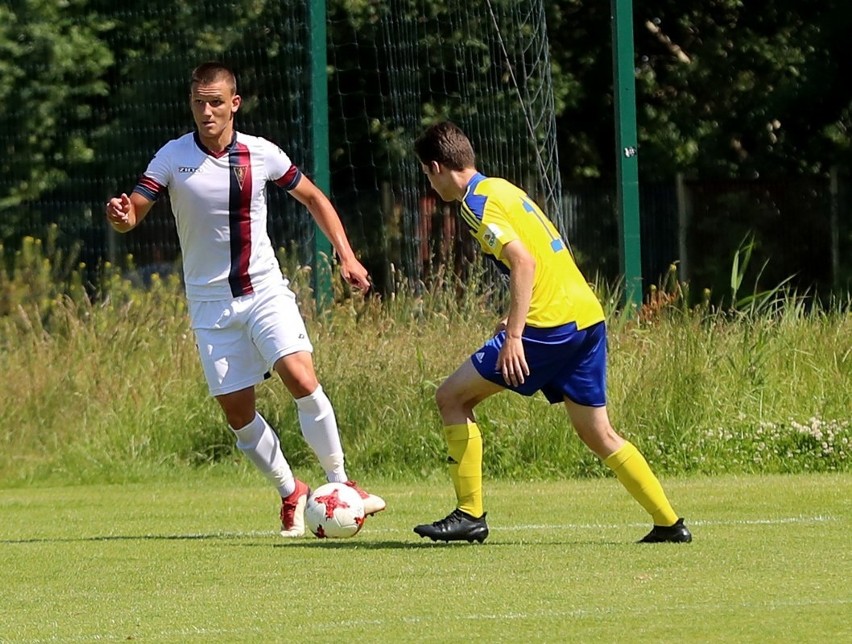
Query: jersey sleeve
{"points": [[155, 181], [279, 168], [495, 230]]}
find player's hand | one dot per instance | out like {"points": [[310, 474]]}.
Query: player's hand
{"points": [[118, 210], [355, 275], [512, 362]]}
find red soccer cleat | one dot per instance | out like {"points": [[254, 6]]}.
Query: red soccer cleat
{"points": [[293, 511], [372, 503]]}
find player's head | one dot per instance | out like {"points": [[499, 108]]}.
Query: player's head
{"points": [[213, 97], [445, 153], [445, 143], [213, 72]]}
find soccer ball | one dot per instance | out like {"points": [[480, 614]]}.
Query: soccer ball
{"points": [[334, 511]]}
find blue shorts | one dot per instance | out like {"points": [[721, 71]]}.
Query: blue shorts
{"points": [[563, 362]]}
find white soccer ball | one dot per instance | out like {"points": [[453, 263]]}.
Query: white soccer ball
{"points": [[334, 511]]}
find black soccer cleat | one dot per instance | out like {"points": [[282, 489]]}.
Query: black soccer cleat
{"points": [[677, 533], [457, 526]]}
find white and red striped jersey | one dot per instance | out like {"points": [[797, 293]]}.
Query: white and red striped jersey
{"points": [[219, 205]]}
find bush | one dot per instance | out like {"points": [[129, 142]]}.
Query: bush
{"points": [[109, 387]]}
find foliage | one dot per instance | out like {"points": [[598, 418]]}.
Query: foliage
{"points": [[42, 274], [808, 445], [723, 90], [53, 63], [109, 384], [728, 89]]}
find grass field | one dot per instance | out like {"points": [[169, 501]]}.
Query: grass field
{"points": [[761, 389], [197, 559]]}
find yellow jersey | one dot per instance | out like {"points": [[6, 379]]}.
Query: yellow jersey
{"points": [[499, 212]]}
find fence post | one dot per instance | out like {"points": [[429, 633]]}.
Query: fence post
{"points": [[834, 223], [319, 144], [682, 227], [627, 147], [390, 237]]}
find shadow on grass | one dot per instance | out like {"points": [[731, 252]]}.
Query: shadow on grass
{"points": [[390, 545], [127, 537], [306, 543], [350, 544]]}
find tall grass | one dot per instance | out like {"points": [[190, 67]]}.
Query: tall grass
{"points": [[106, 386]]}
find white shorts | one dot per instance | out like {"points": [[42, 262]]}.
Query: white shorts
{"points": [[239, 340]]}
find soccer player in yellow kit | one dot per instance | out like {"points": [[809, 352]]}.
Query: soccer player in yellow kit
{"points": [[553, 340]]}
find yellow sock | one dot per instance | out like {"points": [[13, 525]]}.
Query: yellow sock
{"points": [[635, 475], [464, 444]]}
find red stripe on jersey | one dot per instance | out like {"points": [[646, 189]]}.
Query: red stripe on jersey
{"points": [[148, 188], [239, 160], [289, 179]]}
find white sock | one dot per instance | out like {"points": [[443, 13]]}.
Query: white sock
{"points": [[260, 443], [319, 427]]}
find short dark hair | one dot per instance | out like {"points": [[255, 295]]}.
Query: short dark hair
{"points": [[447, 144], [211, 72]]}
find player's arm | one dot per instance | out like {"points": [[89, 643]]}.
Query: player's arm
{"points": [[329, 222], [512, 361], [125, 213]]}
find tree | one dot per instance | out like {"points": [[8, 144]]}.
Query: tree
{"points": [[733, 89], [52, 62]]}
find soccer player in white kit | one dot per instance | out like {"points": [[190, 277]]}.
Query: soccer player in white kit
{"points": [[245, 318]]}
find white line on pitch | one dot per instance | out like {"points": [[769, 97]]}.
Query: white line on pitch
{"points": [[616, 526], [613, 526], [545, 526]]}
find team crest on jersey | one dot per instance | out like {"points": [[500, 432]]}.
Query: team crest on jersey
{"points": [[241, 171]]}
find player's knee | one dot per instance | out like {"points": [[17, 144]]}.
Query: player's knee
{"points": [[238, 407], [301, 387], [299, 379], [446, 398], [599, 437], [238, 419]]}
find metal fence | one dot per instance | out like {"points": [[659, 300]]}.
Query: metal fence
{"points": [[386, 83], [800, 230]]}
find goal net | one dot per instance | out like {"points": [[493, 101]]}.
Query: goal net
{"points": [[113, 80]]}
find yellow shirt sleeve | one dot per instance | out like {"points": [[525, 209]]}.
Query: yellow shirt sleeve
{"points": [[498, 213]]}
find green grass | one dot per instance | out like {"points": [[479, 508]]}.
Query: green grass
{"points": [[197, 559], [111, 389], [102, 397]]}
